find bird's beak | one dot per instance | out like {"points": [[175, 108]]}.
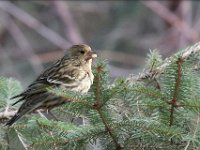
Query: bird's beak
{"points": [[94, 55], [91, 55]]}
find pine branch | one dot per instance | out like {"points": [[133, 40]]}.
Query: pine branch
{"points": [[195, 132], [186, 105], [7, 140], [68, 96], [153, 128], [109, 129], [59, 134], [22, 141], [98, 106], [8, 114], [176, 90], [186, 53], [148, 92], [51, 141], [97, 94]]}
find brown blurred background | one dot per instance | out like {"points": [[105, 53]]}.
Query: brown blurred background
{"points": [[33, 34]]}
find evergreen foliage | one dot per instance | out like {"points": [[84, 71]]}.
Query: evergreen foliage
{"points": [[159, 112]]}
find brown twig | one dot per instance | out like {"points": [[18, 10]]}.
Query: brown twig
{"points": [[23, 44], [185, 14], [71, 29], [33, 23], [196, 20], [179, 24]]}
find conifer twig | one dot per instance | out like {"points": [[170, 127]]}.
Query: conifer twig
{"points": [[49, 142], [7, 140], [97, 79], [21, 140], [108, 129], [75, 100], [173, 102], [8, 114], [98, 106], [159, 70], [195, 132], [176, 90]]}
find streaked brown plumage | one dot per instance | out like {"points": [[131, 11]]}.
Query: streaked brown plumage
{"points": [[72, 72]]}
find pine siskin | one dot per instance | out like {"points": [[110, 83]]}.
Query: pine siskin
{"points": [[73, 72]]}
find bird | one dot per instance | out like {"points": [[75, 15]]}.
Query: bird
{"points": [[73, 72]]}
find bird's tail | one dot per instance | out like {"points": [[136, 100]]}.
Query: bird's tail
{"points": [[13, 119]]}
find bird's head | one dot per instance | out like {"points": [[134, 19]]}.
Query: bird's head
{"points": [[82, 52]]}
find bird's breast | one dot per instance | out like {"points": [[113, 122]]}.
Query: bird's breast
{"points": [[82, 83], [85, 84]]}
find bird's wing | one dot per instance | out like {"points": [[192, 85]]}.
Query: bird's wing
{"points": [[62, 73], [33, 89]]}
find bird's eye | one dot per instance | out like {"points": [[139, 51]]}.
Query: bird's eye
{"points": [[82, 51]]}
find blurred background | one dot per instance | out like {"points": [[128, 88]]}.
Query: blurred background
{"points": [[34, 33]]}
